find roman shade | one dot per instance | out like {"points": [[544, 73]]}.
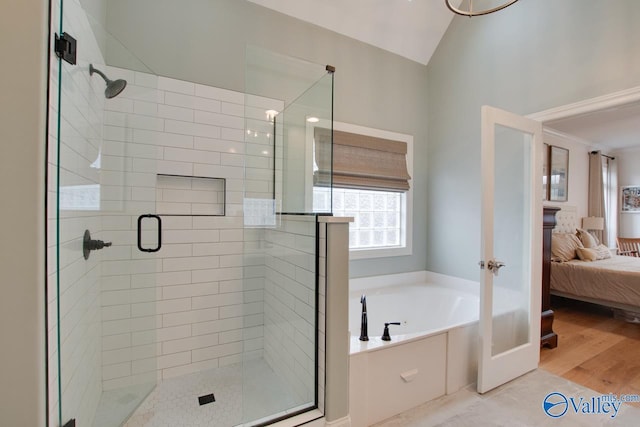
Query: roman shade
{"points": [[360, 161]]}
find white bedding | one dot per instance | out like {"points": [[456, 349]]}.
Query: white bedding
{"points": [[615, 280]]}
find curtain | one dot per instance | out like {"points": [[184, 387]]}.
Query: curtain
{"points": [[596, 194], [610, 181], [360, 161]]}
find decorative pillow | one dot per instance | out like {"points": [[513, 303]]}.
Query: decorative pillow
{"points": [[588, 240], [563, 246], [587, 254], [603, 251]]}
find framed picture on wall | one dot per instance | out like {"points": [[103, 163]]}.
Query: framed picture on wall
{"points": [[558, 175], [631, 199]]}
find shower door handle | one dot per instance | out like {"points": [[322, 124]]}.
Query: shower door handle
{"points": [[159, 245]]}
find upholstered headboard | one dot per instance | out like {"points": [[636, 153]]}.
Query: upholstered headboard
{"points": [[566, 220]]}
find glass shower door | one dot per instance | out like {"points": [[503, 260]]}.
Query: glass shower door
{"points": [[102, 266], [161, 314], [304, 151], [282, 358]]}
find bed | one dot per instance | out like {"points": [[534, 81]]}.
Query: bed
{"points": [[613, 282]]}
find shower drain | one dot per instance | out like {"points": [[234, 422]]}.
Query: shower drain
{"points": [[207, 398]]}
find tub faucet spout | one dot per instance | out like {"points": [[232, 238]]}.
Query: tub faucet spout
{"points": [[364, 333]]}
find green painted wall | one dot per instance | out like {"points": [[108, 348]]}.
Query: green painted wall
{"points": [[529, 57]]}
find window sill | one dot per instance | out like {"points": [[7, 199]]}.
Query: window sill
{"points": [[355, 254]]}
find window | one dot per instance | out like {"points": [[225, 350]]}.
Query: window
{"points": [[371, 173], [610, 188]]}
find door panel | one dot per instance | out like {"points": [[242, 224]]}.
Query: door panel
{"points": [[101, 287], [511, 247]]}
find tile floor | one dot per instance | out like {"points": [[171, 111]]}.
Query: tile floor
{"points": [[245, 394], [517, 403], [116, 405]]}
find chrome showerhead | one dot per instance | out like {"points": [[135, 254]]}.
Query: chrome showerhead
{"points": [[114, 87]]}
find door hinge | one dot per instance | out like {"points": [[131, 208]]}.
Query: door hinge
{"points": [[65, 48]]}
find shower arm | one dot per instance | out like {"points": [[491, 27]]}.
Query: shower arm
{"points": [[100, 73]]}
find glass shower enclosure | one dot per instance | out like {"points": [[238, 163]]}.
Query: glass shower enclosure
{"points": [[182, 267]]}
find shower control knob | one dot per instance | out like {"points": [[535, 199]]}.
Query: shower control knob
{"points": [[98, 244], [88, 244]]}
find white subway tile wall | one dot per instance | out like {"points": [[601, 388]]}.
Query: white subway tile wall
{"points": [[216, 293], [290, 302], [187, 302]]}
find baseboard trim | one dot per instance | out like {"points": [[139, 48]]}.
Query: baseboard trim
{"points": [[341, 422]]}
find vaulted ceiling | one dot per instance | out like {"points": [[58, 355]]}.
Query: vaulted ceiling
{"points": [[409, 28], [413, 29]]}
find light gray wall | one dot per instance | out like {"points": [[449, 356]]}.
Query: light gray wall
{"points": [[529, 57], [23, 33], [204, 41]]}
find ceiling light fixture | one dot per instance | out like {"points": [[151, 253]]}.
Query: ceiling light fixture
{"points": [[470, 12], [312, 119]]}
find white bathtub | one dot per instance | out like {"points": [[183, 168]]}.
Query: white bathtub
{"points": [[421, 308], [432, 353]]}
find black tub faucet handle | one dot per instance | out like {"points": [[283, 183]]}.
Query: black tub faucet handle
{"points": [[385, 333]]}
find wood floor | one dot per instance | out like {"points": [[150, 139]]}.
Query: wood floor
{"points": [[594, 349]]}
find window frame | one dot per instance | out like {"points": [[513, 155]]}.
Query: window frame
{"points": [[406, 217]]}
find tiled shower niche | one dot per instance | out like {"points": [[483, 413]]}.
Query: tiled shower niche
{"points": [[190, 195]]}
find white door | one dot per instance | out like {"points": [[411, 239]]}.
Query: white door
{"points": [[511, 247]]}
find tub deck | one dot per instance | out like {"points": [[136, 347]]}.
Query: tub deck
{"points": [[432, 353]]}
